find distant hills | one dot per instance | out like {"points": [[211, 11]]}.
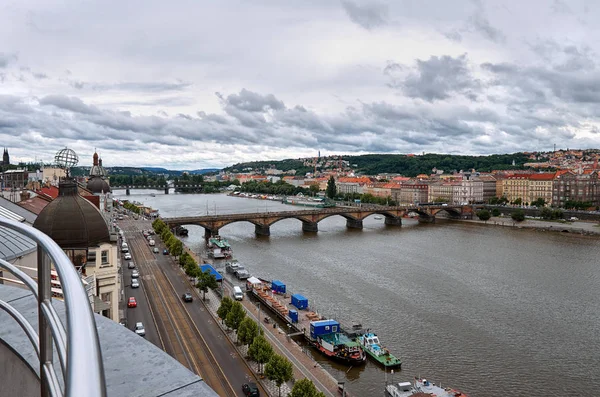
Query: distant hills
{"points": [[202, 171], [82, 171]]}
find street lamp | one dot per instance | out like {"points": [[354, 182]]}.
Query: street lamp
{"points": [[341, 384]]}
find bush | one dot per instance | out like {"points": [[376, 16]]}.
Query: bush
{"points": [[518, 216], [495, 212], [483, 215]]}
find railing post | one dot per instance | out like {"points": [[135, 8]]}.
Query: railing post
{"points": [[44, 331]]}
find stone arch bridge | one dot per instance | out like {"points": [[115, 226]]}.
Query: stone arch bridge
{"points": [[310, 218]]}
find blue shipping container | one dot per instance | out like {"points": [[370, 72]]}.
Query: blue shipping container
{"points": [[299, 301], [278, 286], [323, 327], [293, 316]]}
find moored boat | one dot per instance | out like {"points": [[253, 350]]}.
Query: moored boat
{"points": [[326, 337], [219, 248], [370, 343], [421, 387]]}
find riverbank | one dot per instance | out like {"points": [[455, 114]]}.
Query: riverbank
{"points": [[577, 227]]}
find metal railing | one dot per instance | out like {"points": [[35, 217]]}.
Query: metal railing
{"points": [[77, 344]]}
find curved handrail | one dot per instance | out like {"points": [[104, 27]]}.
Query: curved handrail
{"points": [[84, 373]]}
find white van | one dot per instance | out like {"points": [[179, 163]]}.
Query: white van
{"points": [[151, 242], [237, 293]]}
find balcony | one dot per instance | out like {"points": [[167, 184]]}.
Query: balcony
{"points": [[52, 347]]}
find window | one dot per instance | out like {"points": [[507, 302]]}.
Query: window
{"points": [[104, 257]]}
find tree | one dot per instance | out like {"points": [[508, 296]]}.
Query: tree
{"points": [[279, 369], [177, 248], [518, 201], [331, 188], [483, 215], [546, 213], [206, 280], [260, 350], [224, 308], [495, 212], [305, 388], [314, 188], [235, 316], [247, 331], [518, 216]]}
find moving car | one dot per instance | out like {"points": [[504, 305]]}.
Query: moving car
{"points": [[135, 283], [250, 389], [132, 302], [155, 250], [187, 297], [131, 265], [127, 256], [139, 329], [135, 273], [165, 252]]}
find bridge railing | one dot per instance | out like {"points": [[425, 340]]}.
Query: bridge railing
{"points": [[77, 345]]}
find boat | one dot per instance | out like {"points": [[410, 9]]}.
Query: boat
{"points": [[308, 202], [370, 343], [152, 195], [326, 337], [219, 248], [421, 387], [378, 217], [181, 231]]}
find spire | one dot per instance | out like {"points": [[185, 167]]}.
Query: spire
{"points": [[95, 158]]}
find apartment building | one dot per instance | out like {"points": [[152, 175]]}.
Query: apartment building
{"points": [[571, 186]]}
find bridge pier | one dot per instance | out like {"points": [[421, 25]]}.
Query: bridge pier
{"points": [[354, 223], [127, 192], [393, 221], [167, 190], [310, 227], [429, 219], [208, 233], [261, 230]]}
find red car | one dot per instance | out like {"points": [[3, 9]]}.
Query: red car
{"points": [[132, 302]]}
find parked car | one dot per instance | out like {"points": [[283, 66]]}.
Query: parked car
{"points": [[132, 302], [135, 273], [250, 389], [139, 329], [187, 297], [130, 265], [135, 283], [155, 250], [165, 252], [127, 256]]}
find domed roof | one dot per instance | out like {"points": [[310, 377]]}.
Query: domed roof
{"points": [[72, 221], [97, 184]]}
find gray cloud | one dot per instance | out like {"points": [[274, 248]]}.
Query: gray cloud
{"points": [[369, 16], [479, 23], [72, 104], [6, 59], [439, 78]]}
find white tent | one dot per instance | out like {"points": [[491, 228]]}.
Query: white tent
{"points": [[253, 280]]}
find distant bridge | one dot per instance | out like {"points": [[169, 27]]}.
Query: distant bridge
{"points": [[178, 188], [310, 218]]}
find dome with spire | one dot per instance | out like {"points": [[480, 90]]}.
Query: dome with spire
{"points": [[72, 221], [97, 182]]}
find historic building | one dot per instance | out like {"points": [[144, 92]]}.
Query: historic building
{"points": [[5, 160], [79, 228]]}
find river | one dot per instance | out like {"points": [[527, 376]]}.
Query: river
{"points": [[491, 311]]}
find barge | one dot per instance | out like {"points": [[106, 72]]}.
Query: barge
{"points": [[325, 335]]}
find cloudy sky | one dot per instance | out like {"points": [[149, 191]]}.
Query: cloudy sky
{"points": [[196, 84]]}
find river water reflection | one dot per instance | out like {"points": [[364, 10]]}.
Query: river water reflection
{"points": [[488, 310]]}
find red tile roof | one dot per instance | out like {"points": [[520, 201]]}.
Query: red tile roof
{"points": [[546, 176], [35, 204]]}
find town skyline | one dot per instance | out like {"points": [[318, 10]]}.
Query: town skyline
{"points": [[195, 85]]}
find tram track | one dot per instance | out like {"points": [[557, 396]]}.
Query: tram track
{"points": [[178, 332]]}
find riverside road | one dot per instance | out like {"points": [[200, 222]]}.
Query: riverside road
{"points": [[184, 330], [490, 310]]}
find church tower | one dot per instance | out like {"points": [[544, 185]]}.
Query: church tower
{"points": [[5, 158]]}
